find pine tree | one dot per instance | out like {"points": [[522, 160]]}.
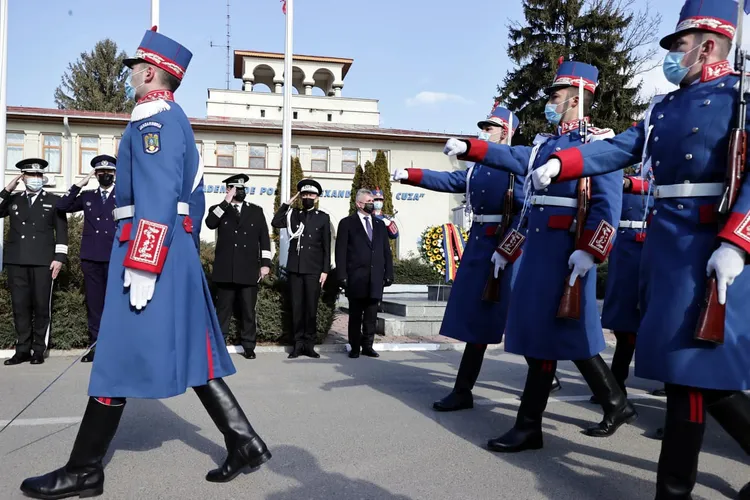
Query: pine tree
{"points": [[356, 185], [383, 176], [96, 81], [604, 33], [296, 176]]}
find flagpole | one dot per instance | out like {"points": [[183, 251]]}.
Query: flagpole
{"points": [[286, 132], [3, 104], [155, 13]]}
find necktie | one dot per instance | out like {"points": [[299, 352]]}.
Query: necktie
{"points": [[369, 228], [31, 199], [236, 210], [104, 197]]}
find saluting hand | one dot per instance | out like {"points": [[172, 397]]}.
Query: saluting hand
{"points": [[86, 179], [13, 184], [55, 268], [230, 194]]}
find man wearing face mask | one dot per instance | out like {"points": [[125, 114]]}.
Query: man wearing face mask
{"points": [[377, 203], [243, 258], [98, 233], [468, 317], [364, 265], [36, 249], [534, 328], [308, 262], [686, 137]]}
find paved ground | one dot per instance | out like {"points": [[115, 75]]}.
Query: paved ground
{"points": [[355, 429]]}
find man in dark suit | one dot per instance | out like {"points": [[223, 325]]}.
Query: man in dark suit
{"points": [[243, 258], [36, 249], [98, 233], [308, 262], [365, 266]]}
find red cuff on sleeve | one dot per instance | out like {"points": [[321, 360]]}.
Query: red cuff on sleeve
{"points": [[147, 251], [638, 185], [510, 247], [598, 243], [415, 176], [125, 233], [477, 151], [737, 230], [572, 164]]}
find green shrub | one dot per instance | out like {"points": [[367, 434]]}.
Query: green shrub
{"points": [[69, 320], [601, 279], [413, 271]]}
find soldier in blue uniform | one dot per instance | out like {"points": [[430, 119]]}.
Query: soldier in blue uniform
{"points": [[467, 317], [390, 224], [158, 336], [621, 312], [686, 138], [98, 233], [533, 329]]}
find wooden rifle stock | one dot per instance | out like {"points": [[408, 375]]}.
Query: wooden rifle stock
{"points": [[491, 291], [711, 323], [570, 304]]}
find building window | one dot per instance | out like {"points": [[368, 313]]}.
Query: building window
{"points": [[294, 150], [262, 113], [257, 156], [51, 151], [15, 149], [319, 160], [330, 117], [225, 155], [294, 115], [349, 160], [88, 148]]}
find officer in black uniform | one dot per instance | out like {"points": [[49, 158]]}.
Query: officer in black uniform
{"points": [[36, 249], [308, 262], [243, 258]]}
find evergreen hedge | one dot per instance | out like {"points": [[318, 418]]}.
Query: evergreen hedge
{"points": [[70, 326]]}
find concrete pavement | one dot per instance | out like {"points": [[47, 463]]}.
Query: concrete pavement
{"points": [[355, 429]]}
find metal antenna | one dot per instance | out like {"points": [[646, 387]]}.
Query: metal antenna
{"points": [[228, 47]]}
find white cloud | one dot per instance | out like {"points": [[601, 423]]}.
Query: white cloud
{"points": [[428, 98]]}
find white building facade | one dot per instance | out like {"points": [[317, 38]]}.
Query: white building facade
{"points": [[331, 135]]}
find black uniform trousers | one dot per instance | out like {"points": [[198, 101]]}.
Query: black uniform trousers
{"points": [[304, 295], [363, 317], [31, 298], [95, 284], [231, 298]]}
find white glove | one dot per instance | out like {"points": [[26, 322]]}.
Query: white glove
{"points": [[542, 176], [727, 262], [580, 262], [454, 147], [500, 263], [400, 174], [141, 285]]}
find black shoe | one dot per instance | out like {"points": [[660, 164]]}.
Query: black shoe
{"points": [[354, 354], [37, 359], [17, 359], [294, 354], [516, 440], [658, 434], [83, 475], [556, 386], [310, 352], [370, 352], [89, 357], [744, 493], [659, 393], [617, 408], [248, 354], [455, 401], [245, 448]]}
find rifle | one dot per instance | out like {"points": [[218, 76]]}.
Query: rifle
{"points": [[710, 326], [570, 303], [491, 291]]}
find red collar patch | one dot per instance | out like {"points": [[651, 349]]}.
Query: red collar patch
{"points": [[156, 95], [566, 127], [716, 70]]}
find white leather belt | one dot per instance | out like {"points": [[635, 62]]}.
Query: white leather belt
{"points": [[688, 190], [554, 201], [482, 218], [632, 224], [128, 211]]}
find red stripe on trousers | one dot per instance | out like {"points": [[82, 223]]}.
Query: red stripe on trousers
{"points": [[696, 407], [210, 357]]}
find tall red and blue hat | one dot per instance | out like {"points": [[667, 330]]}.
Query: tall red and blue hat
{"points": [[162, 52], [716, 16], [499, 117], [377, 194], [575, 74]]}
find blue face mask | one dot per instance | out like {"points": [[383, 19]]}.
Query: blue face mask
{"points": [[673, 69], [551, 114], [483, 136], [129, 89]]}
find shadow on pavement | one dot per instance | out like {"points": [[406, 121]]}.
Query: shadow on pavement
{"points": [[314, 482]]}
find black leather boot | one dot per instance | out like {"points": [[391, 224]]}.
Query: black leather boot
{"points": [[744, 493], [89, 357], [617, 408], [460, 397], [678, 461], [556, 385], [245, 448], [733, 414], [83, 475], [526, 434], [620, 367]]}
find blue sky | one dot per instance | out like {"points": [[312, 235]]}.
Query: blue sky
{"points": [[434, 71]]}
